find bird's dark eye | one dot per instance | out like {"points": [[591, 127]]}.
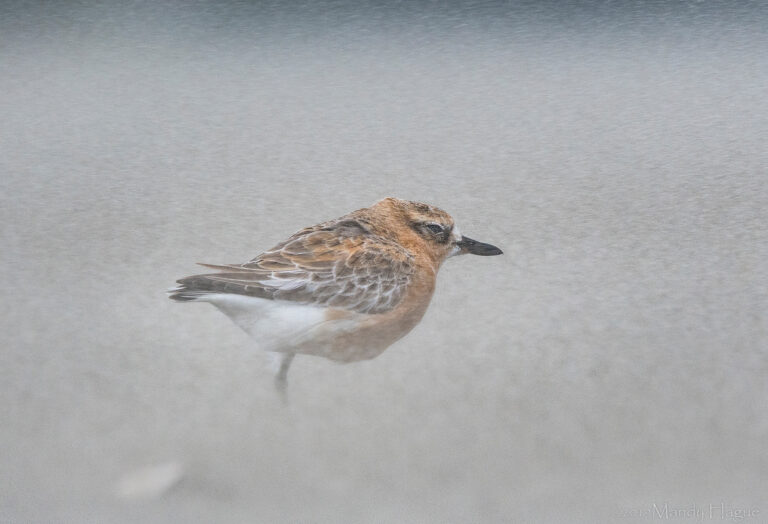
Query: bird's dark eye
{"points": [[435, 228]]}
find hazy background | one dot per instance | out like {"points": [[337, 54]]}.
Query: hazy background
{"points": [[613, 358]]}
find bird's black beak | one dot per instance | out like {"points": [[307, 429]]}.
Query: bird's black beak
{"points": [[467, 245]]}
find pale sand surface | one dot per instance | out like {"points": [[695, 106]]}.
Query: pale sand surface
{"points": [[613, 358]]}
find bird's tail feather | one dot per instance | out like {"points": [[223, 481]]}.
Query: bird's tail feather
{"points": [[183, 293]]}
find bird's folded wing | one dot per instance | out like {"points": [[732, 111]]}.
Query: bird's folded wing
{"points": [[340, 269]]}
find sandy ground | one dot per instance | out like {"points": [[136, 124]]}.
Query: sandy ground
{"points": [[613, 359]]}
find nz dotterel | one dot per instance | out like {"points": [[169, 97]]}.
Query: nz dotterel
{"points": [[345, 289]]}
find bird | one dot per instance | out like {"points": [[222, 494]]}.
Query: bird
{"points": [[345, 289]]}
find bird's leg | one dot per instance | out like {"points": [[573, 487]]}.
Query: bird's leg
{"points": [[281, 378]]}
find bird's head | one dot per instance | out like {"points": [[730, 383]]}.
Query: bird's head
{"points": [[428, 229]]}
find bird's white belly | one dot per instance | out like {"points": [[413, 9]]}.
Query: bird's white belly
{"points": [[286, 327]]}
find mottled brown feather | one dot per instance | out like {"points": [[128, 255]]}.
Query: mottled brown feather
{"points": [[338, 264]]}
